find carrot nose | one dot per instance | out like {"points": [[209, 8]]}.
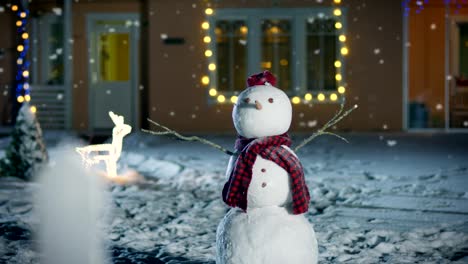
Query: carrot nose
{"points": [[258, 105]]}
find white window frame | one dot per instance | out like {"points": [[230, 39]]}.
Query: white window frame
{"points": [[298, 17]]}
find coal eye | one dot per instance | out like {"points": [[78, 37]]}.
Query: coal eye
{"points": [[247, 100], [270, 100]]}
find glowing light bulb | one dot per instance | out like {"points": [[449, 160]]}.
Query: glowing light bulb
{"points": [[33, 109], [208, 53], [20, 99], [342, 38], [337, 1], [205, 25], [20, 48], [209, 11], [337, 64], [337, 12], [221, 98], [14, 8], [205, 80], [26, 86], [321, 97], [308, 96], [19, 23], [233, 99], [25, 35], [27, 98], [213, 92], [25, 73], [244, 30], [338, 25], [207, 39], [19, 61], [296, 100], [344, 51], [338, 77], [211, 66], [23, 14], [333, 97], [341, 90]]}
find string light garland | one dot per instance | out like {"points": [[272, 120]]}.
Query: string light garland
{"points": [[23, 93], [308, 97]]}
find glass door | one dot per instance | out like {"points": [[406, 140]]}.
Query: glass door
{"points": [[113, 46], [459, 86]]}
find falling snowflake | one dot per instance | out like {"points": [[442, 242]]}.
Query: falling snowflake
{"points": [[433, 26], [172, 113], [108, 92], [59, 96], [91, 61], [194, 116], [153, 109], [1, 70], [376, 51], [449, 77], [319, 1], [57, 11], [194, 5], [5, 93], [465, 123], [385, 126], [312, 123], [163, 36], [2, 9], [317, 51], [439, 106], [243, 42], [391, 143], [381, 61], [141, 87]]}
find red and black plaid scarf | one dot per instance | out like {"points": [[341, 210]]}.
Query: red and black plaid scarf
{"points": [[270, 148]]}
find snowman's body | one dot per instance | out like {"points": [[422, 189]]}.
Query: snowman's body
{"points": [[268, 232]]}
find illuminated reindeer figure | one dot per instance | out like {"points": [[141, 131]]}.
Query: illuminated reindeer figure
{"points": [[113, 150]]}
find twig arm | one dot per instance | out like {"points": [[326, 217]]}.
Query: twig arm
{"points": [[169, 131]]}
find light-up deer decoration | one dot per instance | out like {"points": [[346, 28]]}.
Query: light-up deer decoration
{"points": [[109, 153]]}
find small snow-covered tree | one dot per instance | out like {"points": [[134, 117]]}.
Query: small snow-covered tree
{"points": [[26, 152]]}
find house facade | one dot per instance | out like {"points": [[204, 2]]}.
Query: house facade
{"points": [[183, 63]]}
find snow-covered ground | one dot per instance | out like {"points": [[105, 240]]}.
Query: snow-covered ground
{"points": [[395, 198]]}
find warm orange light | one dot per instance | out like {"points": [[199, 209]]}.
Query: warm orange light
{"points": [[19, 23], [321, 97], [33, 109], [20, 99], [205, 80], [244, 30], [342, 38], [209, 11], [211, 66], [14, 8], [205, 25], [337, 12], [221, 98], [308, 96], [344, 51], [338, 25], [233, 99], [333, 97], [25, 35], [296, 100], [338, 77], [23, 14], [20, 48], [27, 98], [25, 73], [208, 53], [207, 39], [337, 64], [337, 1], [213, 92]]}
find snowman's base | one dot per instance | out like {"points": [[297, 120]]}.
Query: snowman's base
{"points": [[269, 235]]}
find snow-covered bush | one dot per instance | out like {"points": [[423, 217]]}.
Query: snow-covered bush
{"points": [[26, 152]]}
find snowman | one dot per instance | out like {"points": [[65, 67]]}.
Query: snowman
{"points": [[265, 187]]}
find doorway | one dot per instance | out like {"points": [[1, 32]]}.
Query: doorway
{"points": [[459, 70], [113, 68]]}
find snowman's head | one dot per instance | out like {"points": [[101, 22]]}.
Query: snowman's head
{"points": [[262, 110]]}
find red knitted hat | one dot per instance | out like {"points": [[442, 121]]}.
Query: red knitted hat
{"points": [[263, 78]]}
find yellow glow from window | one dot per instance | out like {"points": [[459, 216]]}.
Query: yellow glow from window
{"points": [[266, 64], [209, 11], [333, 97], [342, 38], [308, 96], [337, 1], [25, 74], [344, 51], [207, 39], [337, 12], [338, 77], [205, 25], [284, 62], [296, 100], [14, 8], [274, 30], [20, 99], [244, 30], [211, 66], [321, 97], [23, 14], [341, 89], [19, 23], [337, 64], [208, 53], [233, 99], [221, 98], [27, 98], [20, 48], [33, 109], [213, 92], [205, 80], [338, 25], [25, 35]]}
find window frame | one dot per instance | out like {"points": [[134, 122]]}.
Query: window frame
{"points": [[298, 17]]}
